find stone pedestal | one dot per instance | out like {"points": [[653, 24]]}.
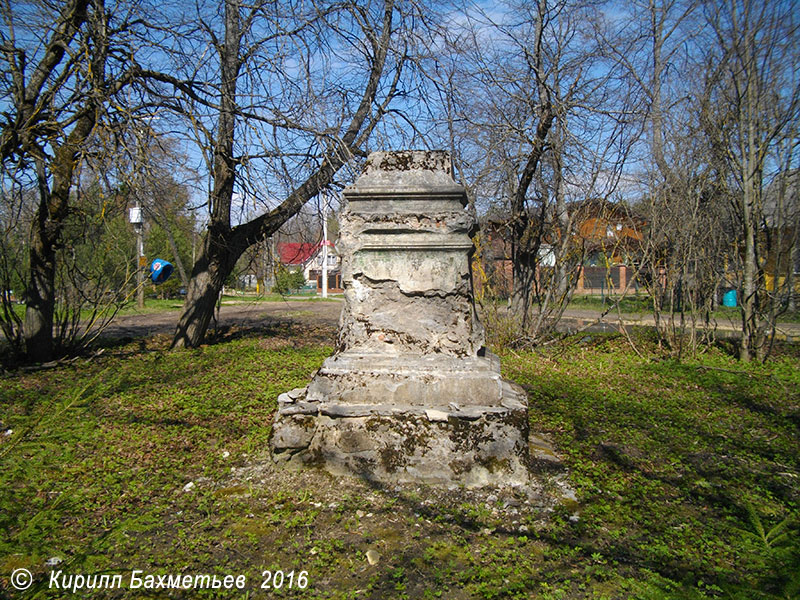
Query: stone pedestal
{"points": [[411, 394]]}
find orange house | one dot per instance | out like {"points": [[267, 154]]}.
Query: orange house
{"points": [[608, 234]]}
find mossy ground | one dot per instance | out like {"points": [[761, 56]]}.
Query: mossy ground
{"points": [[682, 472]]}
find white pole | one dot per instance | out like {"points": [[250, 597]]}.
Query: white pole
{"points": [[136, 217], [324, 245], [140, 260]]}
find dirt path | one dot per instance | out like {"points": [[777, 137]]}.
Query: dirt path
{"points": [[257, 315], [245, 315]]}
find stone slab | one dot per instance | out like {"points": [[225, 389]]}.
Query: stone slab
{"points": [[402, 448]]}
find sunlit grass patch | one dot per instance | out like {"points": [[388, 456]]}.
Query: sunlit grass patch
{"points": [[686, 475]]}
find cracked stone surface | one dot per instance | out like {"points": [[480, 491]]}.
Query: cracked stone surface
{"points": [[411, 394]]}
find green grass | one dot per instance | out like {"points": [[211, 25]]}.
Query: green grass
{"points": [[669, 460], [156, 305], [683, 471], [631, 304], [642, 304]]}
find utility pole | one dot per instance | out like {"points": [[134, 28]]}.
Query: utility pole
{"points": [[272, 278], [137, 220], [324, 244]]}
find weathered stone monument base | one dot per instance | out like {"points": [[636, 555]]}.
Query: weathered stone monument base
{"points": [[428, 419], [411, 394]]}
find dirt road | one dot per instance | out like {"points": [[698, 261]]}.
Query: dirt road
{"points": [[243, 314], [259, 315]]}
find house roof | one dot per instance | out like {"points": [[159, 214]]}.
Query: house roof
{"points": [[597, 225], [298, 253]]}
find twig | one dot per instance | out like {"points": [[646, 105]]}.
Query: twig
{"points": [[623, 329]]}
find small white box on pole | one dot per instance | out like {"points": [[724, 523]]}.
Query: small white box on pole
{"points": [[135, 215]]}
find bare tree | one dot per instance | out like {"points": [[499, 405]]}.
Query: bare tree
{"points": [[688, 240], [61, 64], [750, 107], [652, 42], [283, 97], [542, 106]]}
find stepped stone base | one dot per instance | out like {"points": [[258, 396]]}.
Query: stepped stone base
{"points": [[384, 418]]}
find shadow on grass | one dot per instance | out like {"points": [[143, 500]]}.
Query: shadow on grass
{"points": [[663, 462], [667, 466], [279, 327]]}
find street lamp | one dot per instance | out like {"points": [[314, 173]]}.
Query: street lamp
{"points": [[136, 217]]}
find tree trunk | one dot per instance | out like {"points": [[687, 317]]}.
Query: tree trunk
{"points": [[45, 236], [217, 259], [748, 304], [222, 248], [562, 225], [751, 184], [524, 261], [41, 299], [523, 272], [791, 301]]}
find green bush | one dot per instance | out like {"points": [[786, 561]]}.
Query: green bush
{"points": [[286, 280]]}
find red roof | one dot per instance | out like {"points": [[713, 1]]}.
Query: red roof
{"points": [[291, 253]]}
